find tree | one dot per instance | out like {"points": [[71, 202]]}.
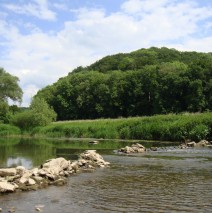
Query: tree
{"points": [[9, 87], [143, 82], [39, 114]]}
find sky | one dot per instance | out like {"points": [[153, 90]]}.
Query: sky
{"points": [[43, 40]]}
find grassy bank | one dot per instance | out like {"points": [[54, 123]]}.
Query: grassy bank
{"points": [[160, 127], [8, 130]]}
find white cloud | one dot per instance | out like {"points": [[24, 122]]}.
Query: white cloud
{"points": [[40, 58], [29, 92], [138, 6], [198, 44], [38, 9]]}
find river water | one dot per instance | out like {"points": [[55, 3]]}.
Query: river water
{"points": [[171, 180]]}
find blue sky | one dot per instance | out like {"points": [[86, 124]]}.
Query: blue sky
{"points": [[43, 40]]}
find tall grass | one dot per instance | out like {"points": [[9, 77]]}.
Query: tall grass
{"points": [[169, 127], [8, 130]]}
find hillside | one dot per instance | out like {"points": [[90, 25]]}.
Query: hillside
{"points": [[143, 82]]}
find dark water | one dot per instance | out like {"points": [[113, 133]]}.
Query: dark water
{"points": [[167, 181]]}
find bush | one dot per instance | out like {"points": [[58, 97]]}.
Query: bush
{"points": [[6, 129], [39, 114], [199, 132]]}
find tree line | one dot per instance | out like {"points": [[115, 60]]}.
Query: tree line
{"points": [[144, 82]]}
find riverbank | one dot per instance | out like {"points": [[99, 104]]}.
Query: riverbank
{"points": [[171, 127]]}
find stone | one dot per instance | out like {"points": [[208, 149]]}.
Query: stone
{"points": [[20, 170], [37, 178], [7, 187], [135, 148], [39, 208], [31, 181], [12, 209], [53, 172], [35, 171], [7, 172], [183, 146], [73, 166], [153, 148], [60, 182], [55, 166], [93, 158], [23, 180], [202, 143], [41, 172], [191, 144], [93, 142]]}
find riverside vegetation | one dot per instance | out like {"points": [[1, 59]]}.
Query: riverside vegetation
{"points": [[145, 94], [171, 127]]}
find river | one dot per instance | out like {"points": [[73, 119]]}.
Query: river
{"points": [[171, 180]]}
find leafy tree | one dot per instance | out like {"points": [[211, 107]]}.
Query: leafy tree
{"points": [[39, 114], [9, 87]]}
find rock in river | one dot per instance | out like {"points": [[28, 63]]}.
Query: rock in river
{"points": [[52, 172], [135, 148]]}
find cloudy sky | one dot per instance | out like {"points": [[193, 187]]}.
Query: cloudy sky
{"points": [[43, 40]]}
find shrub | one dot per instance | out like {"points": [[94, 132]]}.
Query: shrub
{"points": [[39, 114], [199, 132], [6, 129]]}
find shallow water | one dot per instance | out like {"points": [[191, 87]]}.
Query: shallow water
{"points": [[167, 181]]}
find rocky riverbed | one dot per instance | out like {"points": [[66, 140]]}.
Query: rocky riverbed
{"points": [[52, 172], [139, 148]]}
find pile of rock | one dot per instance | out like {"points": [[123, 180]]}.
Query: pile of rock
{"points": [[202, 143], [52, 172], [135, 148]]}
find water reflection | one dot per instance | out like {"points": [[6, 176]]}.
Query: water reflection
{"points": [[25, 152], [19, 161], [33, 152]]}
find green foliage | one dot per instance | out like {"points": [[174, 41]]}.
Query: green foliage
{"points": [[144, 82], [9, 87], [169, 127], [4, 110], [8, 130], [199, 132], [39, 114]]}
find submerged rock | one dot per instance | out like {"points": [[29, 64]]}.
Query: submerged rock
{"points": [[52, 172], [93, 142], [154, 149]]}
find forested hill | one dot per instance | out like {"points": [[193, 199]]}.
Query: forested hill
{"points": [[143, 82]]}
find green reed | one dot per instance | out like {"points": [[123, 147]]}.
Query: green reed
{"points": [[171, 127]]}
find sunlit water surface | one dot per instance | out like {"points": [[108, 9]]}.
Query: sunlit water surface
{"points": [[171, 180]]}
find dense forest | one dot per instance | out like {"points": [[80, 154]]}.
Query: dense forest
{"points": [[144, 82]]}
